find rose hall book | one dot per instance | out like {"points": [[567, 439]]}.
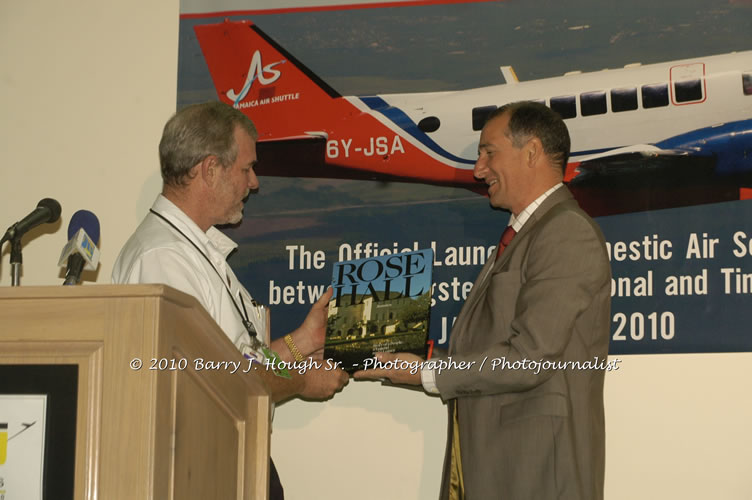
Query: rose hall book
{"points": [[380, 304]]}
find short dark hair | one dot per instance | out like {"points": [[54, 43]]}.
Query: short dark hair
{"points": [[198, 131], [532, 119]]}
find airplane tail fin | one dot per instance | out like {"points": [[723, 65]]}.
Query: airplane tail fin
{"points": [[256, 75]]}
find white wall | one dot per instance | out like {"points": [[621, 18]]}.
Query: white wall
{"points": [[85, 88], [677, 427]]}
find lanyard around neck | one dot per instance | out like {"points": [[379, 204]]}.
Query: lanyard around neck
{"points": [[243, 316]]}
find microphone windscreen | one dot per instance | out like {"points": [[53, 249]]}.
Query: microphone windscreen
{"points": [[86, 220], [53, 206]]}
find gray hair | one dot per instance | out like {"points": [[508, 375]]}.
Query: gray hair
{"points": [[531, 119], [198, 131]]}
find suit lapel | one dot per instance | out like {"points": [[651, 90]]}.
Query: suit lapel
{"points": [[481, 283], [560, 195]]}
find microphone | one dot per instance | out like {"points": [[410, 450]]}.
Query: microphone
{"points": [[81, 251], [48, 210]]}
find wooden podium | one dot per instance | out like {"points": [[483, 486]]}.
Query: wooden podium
{"points": [[165, 431]]}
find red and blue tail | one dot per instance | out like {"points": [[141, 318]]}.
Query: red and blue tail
{"points": [[289, 103], [254, 74]]}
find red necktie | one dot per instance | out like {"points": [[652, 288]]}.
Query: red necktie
{"points": [[506, 238]]}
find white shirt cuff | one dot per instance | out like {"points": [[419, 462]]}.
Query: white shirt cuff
{"points": [[428, 379]]}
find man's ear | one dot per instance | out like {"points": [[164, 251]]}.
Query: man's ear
{"points": [[533, 150], [208, 169]]}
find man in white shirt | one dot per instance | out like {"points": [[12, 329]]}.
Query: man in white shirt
{"points": [[527, 355], [207, 154]]}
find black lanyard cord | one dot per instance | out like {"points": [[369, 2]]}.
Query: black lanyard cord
{"points": [[244, 317]]}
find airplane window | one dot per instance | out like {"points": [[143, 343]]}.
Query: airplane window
{"points": [[655, 95], [566, 106], [688, 90], [623, 100], [429, 124], [593, 103], [747, 83], [480, 114]]}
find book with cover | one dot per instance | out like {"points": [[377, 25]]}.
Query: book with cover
{"points": [[380, 304]]}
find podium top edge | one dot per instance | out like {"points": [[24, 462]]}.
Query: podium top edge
{"points": [[94, 291]]}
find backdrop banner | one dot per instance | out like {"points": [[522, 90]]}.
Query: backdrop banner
{"points": [[661, 150]]}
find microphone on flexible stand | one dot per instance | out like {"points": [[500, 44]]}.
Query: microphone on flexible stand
{"points": [[81, 251], [48, 210]]}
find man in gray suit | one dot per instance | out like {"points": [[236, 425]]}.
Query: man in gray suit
{"points": [[527, 355]]}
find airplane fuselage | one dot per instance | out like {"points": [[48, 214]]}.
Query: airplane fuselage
{"points": [[604, 111], [696, 108]]}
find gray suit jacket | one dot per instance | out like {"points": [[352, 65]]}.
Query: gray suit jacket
{"points": [[531, 419]]}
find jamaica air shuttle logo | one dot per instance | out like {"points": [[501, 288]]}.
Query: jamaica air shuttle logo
{"points": [[256, 71]]}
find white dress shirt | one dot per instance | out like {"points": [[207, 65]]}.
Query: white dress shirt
{"points": [[157, 253]]}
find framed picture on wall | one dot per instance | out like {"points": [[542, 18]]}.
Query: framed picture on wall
{"points": [[37, 431]]}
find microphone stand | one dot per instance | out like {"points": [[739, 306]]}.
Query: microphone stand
{"points": [[16, 259]]}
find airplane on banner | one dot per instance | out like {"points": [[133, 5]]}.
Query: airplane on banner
{"points": [[643, 137]]}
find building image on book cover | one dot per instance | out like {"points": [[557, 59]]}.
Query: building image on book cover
{"points": [[380, 304]]}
